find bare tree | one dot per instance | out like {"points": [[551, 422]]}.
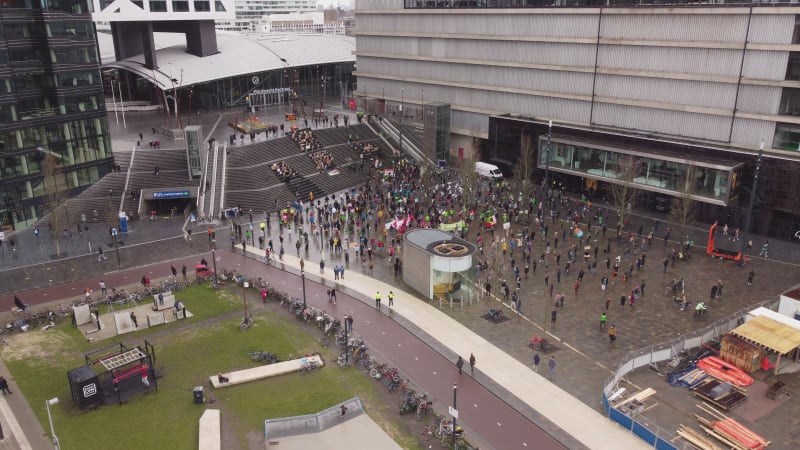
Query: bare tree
{"points": [[55, 187], [682, 206], [622, 191], [470, 179], [526, 162]]}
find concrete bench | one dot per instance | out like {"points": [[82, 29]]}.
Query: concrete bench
{"points": [[210, 433], [169, 302], [257, 373]]}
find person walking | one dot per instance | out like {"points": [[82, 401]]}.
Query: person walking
{"points": [[764, 250], [750, 277], [100, 255], [603, 318], [460, 364], [471, 364], [608, 302], [103, 289], [378, 300], [4, 386], [348, 320], [666, 264], [391, 298], [553, 316], [536, 360], [612, 334], [552, 365], [134, 320], [714, 290]]}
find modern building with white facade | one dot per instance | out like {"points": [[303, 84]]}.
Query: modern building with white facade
{"points": [[689, 90], [248, 12]]}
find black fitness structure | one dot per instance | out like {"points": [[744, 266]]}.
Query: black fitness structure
{"points": [[115, 369]]}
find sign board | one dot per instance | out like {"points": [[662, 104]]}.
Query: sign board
{"points": [[453, 412], [291, 117], [170, 194]]}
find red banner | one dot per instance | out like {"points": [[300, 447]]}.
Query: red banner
{"points": [[353, 103]]}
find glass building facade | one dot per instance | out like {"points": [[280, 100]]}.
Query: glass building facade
{"points": [[720, 181], [51, 104]]}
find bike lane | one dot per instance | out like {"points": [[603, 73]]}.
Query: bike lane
{"points": [[484, 413], [495, 421]]}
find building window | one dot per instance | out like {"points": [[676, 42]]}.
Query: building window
{"points": [[787, 137], [180, 6]]}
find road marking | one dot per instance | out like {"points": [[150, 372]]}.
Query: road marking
{"points": [[399, 345], [524, 444], [499, 424], [12, 423], [383, 333], [475, 405], [434, 372]]}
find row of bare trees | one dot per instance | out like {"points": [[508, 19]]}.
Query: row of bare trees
{"points": [[622, 191]]}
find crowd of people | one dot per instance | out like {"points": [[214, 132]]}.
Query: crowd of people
{"points": [[365, 149], [305, 139], [283, 171], [323, 160]]}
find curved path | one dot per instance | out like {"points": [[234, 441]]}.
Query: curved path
{"points": [[494, 420]]}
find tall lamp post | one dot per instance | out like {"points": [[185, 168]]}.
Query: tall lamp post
{"points": [[303, 281], [245, 285], [454, 411], [402, 100], [47, 404], [547, 157], [214, 261], [746, 228], [114, 233]]}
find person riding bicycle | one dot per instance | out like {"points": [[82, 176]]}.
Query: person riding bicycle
{"points": [[700, 309]]}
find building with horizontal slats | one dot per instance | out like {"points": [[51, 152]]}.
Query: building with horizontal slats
{"points": [[685, 93]]}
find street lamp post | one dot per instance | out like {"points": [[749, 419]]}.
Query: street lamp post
{"points": [[245, 285], [114, 233], [47, 404], [303, 280], [547, 157], [402, 100], [746, 228], [454, 412], [214, 260]]}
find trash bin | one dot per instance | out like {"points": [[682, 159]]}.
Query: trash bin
{"points": [[199, 399]]}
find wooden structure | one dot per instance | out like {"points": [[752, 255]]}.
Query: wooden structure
{"points": [[770, 335], [741, 353]]}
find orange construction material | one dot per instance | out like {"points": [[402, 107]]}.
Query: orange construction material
{"points": [[725, 371], [740, 434]]}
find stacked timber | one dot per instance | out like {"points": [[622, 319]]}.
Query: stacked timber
{"points": [[725, 371], [729, 431]]}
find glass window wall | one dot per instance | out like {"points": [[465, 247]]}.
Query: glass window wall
{"points": [[645, 172]]}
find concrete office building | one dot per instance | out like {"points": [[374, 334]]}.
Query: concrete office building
{"points": [[687, 92], [51, 104]]}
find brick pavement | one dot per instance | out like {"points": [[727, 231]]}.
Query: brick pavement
{"points": [[581, 371]]}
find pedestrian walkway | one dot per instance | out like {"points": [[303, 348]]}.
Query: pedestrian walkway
{"points": [[567, 412]]}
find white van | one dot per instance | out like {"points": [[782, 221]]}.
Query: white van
{"points": [[488, 170]]}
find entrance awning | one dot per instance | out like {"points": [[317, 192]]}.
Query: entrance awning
{"points": [[769, 334]]}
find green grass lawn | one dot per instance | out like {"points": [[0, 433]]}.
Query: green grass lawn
{"points": [[187, 355]]}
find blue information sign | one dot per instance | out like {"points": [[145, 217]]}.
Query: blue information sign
{"points": [[171, 194]]}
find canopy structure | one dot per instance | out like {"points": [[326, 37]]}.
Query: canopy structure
{"points": [[769, 334]]}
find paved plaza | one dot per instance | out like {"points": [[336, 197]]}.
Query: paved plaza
{"points": [[585, 357]]}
